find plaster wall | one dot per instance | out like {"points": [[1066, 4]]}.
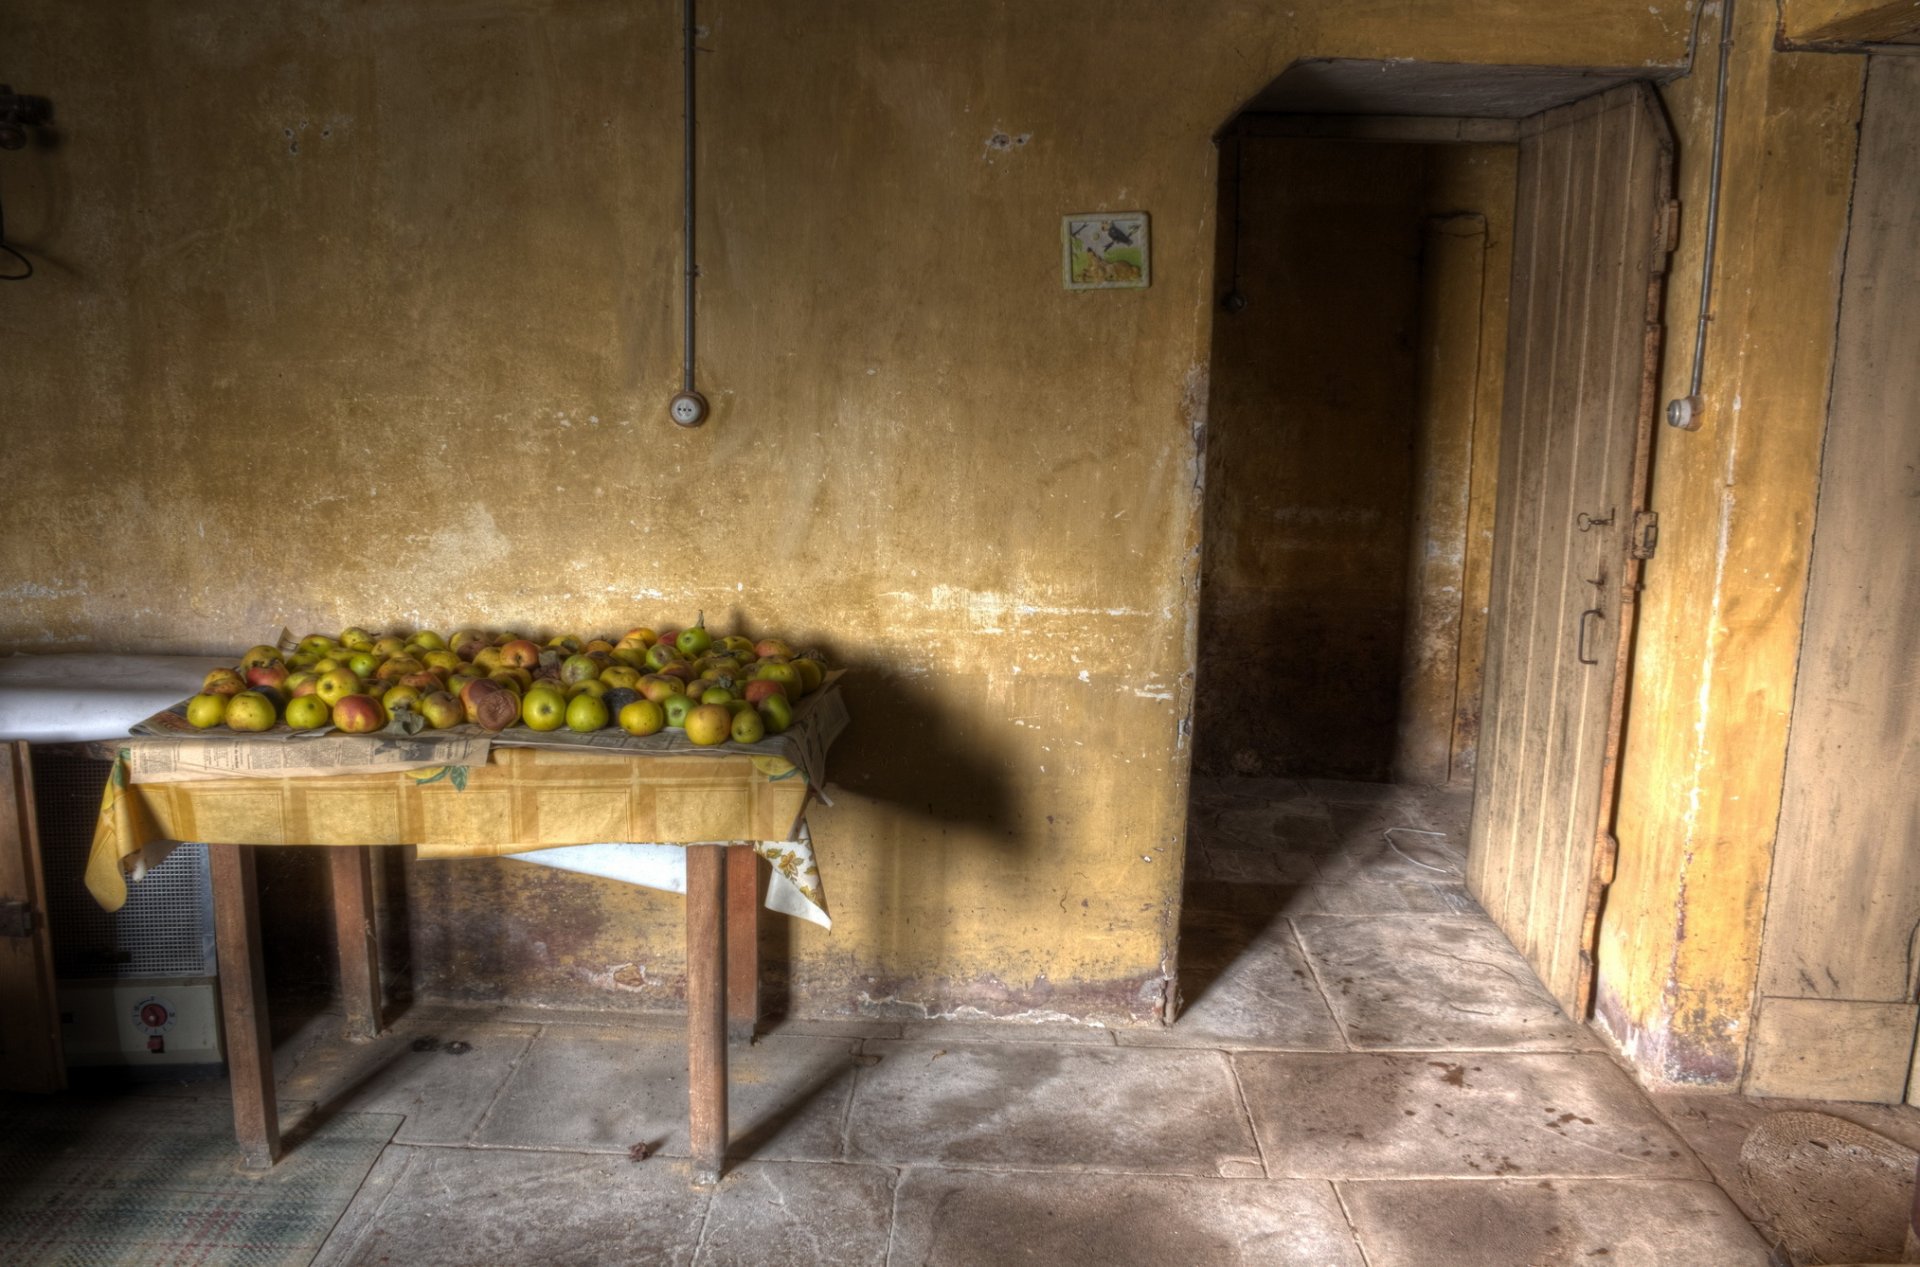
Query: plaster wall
{"points": [[1719, 634], [368, 314]]}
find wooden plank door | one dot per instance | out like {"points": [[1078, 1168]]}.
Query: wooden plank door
{"points": [[1591, 236], [1838, 977], [30, 1058]]}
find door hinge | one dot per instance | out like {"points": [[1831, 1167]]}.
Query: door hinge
{"points": [[1670, 227], [1646, 533], [16, 919]]}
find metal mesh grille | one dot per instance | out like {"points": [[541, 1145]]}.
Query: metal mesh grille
{"points": [[166, 927]]}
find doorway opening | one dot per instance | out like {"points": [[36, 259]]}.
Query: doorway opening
{"points": [[1426, 284]]}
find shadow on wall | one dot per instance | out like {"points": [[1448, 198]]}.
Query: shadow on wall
{"points": [[498, 929]]}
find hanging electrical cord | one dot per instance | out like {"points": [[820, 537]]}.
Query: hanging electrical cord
{"points": [[689, 408], [18, 116], [26, 265], [1685, 412]]}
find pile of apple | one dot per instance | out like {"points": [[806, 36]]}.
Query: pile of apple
{"points": [[714, 689]]}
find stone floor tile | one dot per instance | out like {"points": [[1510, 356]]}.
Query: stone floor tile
{"points": [[1448, 809], [1402, 898], [360, 1215], [607, 1089], [1445, 1115], [1243, 987], [1214, 792], [1364, 821], [824, 1027], [1012, 1030], [1043, 1105], [1715, 1126], [459, 1207], [799, 1214], [1352, 792], [1271, 862], [1550, 1223], [441, 1073], [438, 1013], [1439, 983], [1402, 857], [968, 1218]]}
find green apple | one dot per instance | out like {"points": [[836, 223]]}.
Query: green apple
{"points": [[585, 712], [709, 724], [543, 709], [643, 717], [693, 642], [337, 685], [748, 727], [777, 713], [308, 712], [205, 711], [250, 710]]}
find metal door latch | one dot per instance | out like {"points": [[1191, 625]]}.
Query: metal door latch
{"points": [[16, 919], [1587, 523], [1646, 533]]}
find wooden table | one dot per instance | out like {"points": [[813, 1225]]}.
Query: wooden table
{"points": [[723, 999], [524, 797]]}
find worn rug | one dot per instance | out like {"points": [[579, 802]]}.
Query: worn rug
{"points": [[153, 1179]]}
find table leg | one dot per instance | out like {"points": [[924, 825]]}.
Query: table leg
{"points": [[358, 942], [707, 1009], [243, 1003], [743, 943]]}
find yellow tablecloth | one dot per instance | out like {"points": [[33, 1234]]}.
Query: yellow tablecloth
{"points": [[522, 799]]}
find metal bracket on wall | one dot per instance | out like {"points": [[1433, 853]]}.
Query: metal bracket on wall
{"points": [[16, 919], [1646, 534]]}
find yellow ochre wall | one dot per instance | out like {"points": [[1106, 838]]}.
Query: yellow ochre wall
{"points": [[368, 313], [1719, 634]]}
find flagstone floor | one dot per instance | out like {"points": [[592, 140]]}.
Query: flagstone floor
{"points": [[1366, 1073]]}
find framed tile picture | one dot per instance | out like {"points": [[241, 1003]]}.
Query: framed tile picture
{"points": [[1105, 251]]}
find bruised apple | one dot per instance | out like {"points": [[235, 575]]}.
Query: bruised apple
{"points": [[250, 710], [760, 688], [521, 653], [658, 687], [272, 673], [441, 710], [490, 705], [223, 682], [358, 714], [256, 656]]}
